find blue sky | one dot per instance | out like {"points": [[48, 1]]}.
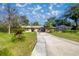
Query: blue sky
{"points": [[39, 11]]}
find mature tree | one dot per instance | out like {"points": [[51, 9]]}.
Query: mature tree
{"points": [[11, 12], [62, 22], [73, 13], [50, 22], [36, 23], [15, 23], [48, 25], [24, 20]]}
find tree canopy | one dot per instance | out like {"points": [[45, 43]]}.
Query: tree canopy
{"points": [[73, 13], [36, 23], [24, 20], [50, 22]]}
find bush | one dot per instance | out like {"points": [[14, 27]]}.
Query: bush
{"points": [[3, 28], [71, 31], [5, 52], [18, 35]]}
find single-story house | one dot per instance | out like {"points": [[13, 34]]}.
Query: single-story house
{"points": [[62, 28], [32, 28]]}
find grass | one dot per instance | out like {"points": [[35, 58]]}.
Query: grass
{"points": [[68, 35], [24, 48]]}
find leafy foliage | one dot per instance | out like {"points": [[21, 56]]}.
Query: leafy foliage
{"points": [[73, 13], [3, 27], [36, 23], [11, 13], [50, 22], [63, 22], [18, 35], [24, 20]]}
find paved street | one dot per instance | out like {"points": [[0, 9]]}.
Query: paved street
{"points": [[49, 45]]}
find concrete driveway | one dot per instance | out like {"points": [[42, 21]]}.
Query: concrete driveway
{"points": [[50, 45]]}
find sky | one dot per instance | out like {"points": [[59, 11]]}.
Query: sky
{"points": [[38, 11]]}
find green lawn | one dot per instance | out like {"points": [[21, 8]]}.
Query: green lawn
{"points": [[24, 48], [70, 36]]}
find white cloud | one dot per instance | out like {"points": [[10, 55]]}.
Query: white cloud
{"points": [[54, 5], [52, 9], [58, 6], [56, 12], [61, 4], [21, 13], [37, 8], [50, 6], [43, 16], [18, 5], [42, 10], [53, 13], [2, 8], [21, 5], [33, 12], [48, 13]]}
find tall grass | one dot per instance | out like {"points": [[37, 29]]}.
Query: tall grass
{"points": [[20, 48], [5, 52]]}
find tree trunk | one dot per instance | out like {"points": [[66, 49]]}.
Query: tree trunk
{"points": [[9, 24], [9, 28], [76, 24]]}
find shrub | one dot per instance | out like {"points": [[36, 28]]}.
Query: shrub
{"points": [[71, 31], [3, 28], [18, 35]]}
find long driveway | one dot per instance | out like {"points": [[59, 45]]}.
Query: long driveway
{"points": [[50, 45]]}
